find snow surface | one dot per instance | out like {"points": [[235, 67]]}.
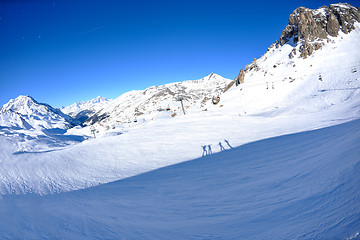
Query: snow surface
{"points": [[301, 186], [243, 183], [54, 160]]}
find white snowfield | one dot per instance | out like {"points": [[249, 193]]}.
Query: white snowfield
{"points": [[272, 101], [301, 186]]}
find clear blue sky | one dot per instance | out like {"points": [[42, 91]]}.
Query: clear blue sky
{"points": [[65, 51]]}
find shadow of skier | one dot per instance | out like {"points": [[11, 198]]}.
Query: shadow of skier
{"points": [[227, 142], [205, 153], [209, 149], [221, 147]]}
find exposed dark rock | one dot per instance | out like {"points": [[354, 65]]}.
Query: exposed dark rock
{"points": [[252, 65], [309, 27], [306, 50], [332, 26], [83, 115], [240, 78], [230, 85], [293, 53], [96, 118]]}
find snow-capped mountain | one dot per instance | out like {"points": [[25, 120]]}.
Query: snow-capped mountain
{"points": [[26, 112], [325, 77], [158, 99], [82, 110], [253, 156]]}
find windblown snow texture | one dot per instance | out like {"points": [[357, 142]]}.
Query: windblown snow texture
{"points": [[300, 186], [276, 158]]}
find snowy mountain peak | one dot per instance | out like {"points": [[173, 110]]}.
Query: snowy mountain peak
{"points": [[20, 104], [154, 100], [213, 76], [100, 99], [82, 110], [25, 111]]}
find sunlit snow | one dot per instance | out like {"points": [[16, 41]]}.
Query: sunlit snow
{"points": [[233, 169]]}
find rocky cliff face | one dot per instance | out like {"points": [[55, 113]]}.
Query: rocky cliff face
{"points": [[307, 31], [238, 80], [309, 28]]}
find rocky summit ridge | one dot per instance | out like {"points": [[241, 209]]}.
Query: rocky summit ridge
{"points": [[308, 28]]}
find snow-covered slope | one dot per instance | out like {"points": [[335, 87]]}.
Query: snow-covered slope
{"points": [[150, 102], [302, 186], [25, 112], [82, 110], [276, 84], [280, 95]]}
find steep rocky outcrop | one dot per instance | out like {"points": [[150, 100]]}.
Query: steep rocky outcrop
{"points": [[307, 31], [237, 81], [240, 78], [309, 28], [230, 85]]}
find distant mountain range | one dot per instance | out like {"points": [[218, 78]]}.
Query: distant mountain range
{"points": [[154, 100], [84, 109], [316, 45], [26, 112], [283, 91]]}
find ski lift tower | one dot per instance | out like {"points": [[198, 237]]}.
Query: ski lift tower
{"points": [[180, 99], [93, 130]]}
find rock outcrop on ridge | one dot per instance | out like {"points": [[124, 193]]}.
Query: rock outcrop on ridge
{"points": [[309, 27], [238, 80], [308, 30]]}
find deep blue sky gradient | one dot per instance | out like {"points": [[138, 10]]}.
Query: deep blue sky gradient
{"points": [[62, 51]]}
